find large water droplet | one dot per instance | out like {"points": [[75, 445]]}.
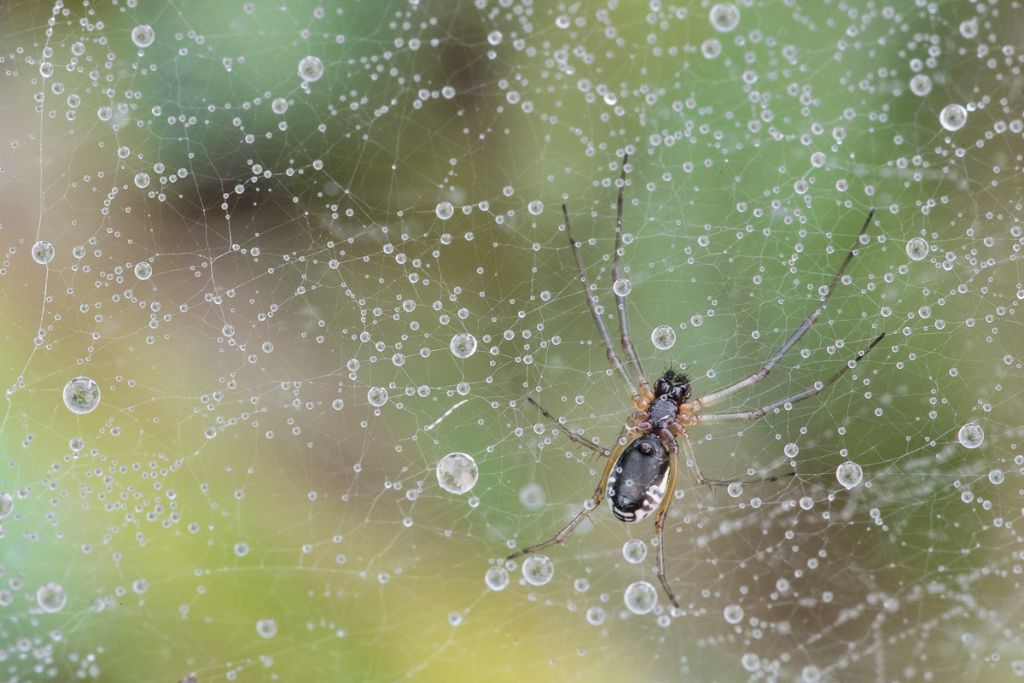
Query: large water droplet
{"points": [[953, 117], [538, 569], [463, 345], [457, 473], [849, 474], [663, 337], [971, 435], [81, 395], [640, 597]]}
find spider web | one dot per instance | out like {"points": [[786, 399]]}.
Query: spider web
{"points": [[271, 234]]}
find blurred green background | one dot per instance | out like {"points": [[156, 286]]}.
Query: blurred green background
{"points": [[323, 196]]}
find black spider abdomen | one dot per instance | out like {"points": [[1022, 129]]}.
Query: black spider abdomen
{"points": [[638, 480]]}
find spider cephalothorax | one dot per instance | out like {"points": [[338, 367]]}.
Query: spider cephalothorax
{"points": [[670, 391], [640, 472]]}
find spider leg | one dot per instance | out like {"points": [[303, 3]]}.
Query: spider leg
{"points": [[691, 462], [590, 506], [705, 418], [592, 305], [716, 396], [620, 301], [691, 457], [573, 436], [659, 518]]}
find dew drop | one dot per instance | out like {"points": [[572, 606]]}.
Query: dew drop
{"points": [[733, 614], [724, 17], [917, 248], [496, 578], [267, 628], [711, 48], [634, 550], [457, 473], [810, 674], [377, 396], [969, 28], [444, 210], [463, 345], [920, 85], [532, 496], [51, 597], [640, 597], [953, 117], [143, 35], [663, 337], [81, 395], [538, 569], [42, 253], [143, 270], [311, 69], [971, 435], [849, 474]]}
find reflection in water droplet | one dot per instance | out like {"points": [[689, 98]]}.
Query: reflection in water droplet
{"points": [[457, 473]]}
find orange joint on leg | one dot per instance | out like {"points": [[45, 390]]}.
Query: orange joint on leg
{"points": [[686, 417]]}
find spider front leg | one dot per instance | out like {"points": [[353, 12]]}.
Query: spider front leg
{"points": [[571, 435], [602, 329], [620, 301], [714, 397], [814, 390], [590, 506]]}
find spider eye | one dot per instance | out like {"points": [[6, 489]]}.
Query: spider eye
{"points": [[661, 387]]}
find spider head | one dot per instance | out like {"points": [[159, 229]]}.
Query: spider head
{"points": [[674, 384]]}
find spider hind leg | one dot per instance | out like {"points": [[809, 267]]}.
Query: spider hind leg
{"points": [[592, 504]]}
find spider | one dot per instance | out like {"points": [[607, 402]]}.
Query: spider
{"points": [[640, 473]]}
